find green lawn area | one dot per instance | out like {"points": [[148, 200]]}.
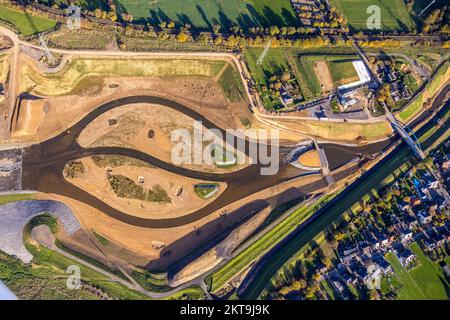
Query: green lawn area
{"points": [[341, 69], [424, 282], [203, 14], [274, 63], [14, 197], [410, 290], [232, 84], [394, 13], [205, 190], [19, 20], [431, 89], [277, 61], [342, 72]]}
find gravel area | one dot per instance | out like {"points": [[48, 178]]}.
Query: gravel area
{"points": [[15, 215], [10, 169]]}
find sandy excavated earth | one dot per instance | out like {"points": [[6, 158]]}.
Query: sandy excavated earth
{"points": [[31, 114], [310, 159], [324, 76], [201, 93], [140, 240], [95, 181], [134, 122]]}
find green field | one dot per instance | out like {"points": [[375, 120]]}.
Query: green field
{"points": [[340, 66], [427, 281], [14, 197], [394, 13], [19, 20], [301, 65], [342, 72], [203, 14], [274, 63]]}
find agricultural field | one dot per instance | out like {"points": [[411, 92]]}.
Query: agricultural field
{"points": [[314, 72], [18, 20], [394, 14], [203, 14]]}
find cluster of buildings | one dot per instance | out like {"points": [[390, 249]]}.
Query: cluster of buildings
{"points": [[421, 216], [287, 93], [398, 88]]}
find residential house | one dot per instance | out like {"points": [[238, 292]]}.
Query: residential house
{"points": [[365, 247], [385, 267], [429, 244], [406, 257], [338, 285], [406, 235], [431, 181], [424, 217], [415, 201], [403, 205], [446, 165], [411, 222], [382, 239]]}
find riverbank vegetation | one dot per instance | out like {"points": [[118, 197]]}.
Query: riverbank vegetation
{"points": [[262, 245], [424, 98], [4, 199]]}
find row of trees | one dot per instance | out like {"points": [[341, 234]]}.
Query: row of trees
{"points": [[303, 280], [437, 21]]}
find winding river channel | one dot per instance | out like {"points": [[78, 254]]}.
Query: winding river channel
{"points": [[43, 166]]}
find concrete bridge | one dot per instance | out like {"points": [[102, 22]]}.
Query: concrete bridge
{"points": [[298, 150]]}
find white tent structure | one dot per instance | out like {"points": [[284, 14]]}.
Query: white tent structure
{"points": [[363, 75]]}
